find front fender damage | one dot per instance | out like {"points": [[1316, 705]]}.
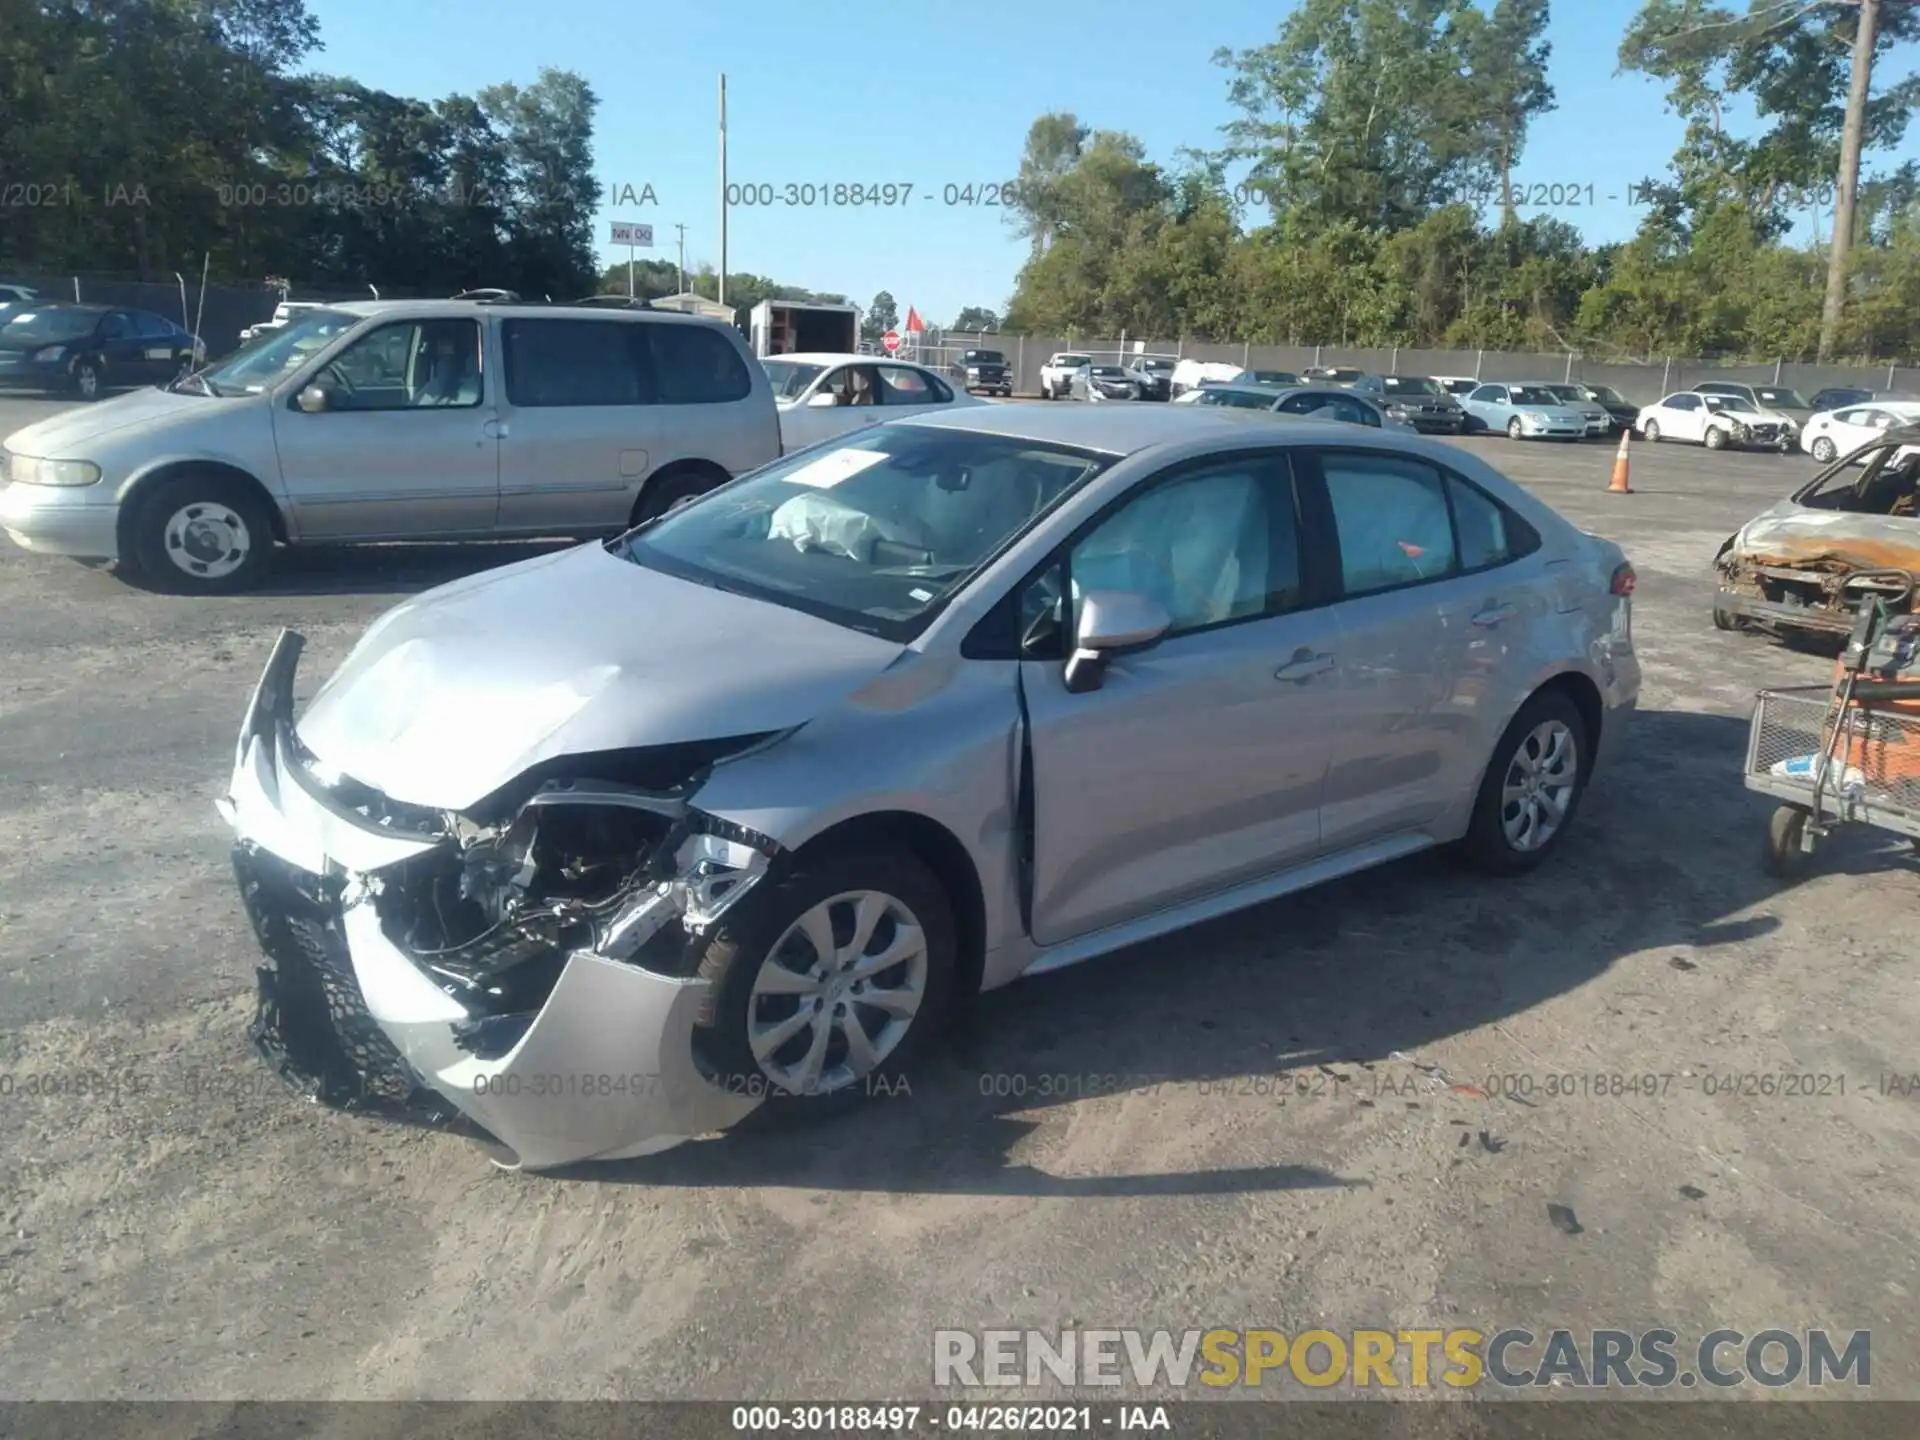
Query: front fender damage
{"points": [[532, 969]]}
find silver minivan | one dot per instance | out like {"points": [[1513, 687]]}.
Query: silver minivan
{"points": [[395, 420]]}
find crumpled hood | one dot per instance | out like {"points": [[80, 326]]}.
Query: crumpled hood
{"points": [[74, 434], [1762, 417], [454, 693], [1793, 533]]}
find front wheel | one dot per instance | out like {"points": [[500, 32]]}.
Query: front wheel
{"points": [[202, 535], [1514, 429], [1716, 438], [1652, 432], [831, 983], [670, 492], [1825, 451], [87, 379], [1531, 789]]}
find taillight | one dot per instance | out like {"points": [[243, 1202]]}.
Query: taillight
{"points": [[1623, 579]]}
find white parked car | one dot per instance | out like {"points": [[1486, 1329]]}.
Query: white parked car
{"points": [[1834, 433], [1458, 386], [1057, 375], [1189, 375], [1718, 422], [283, 314], [820, 396]]}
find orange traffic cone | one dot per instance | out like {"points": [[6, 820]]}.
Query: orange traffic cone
{"points": [[1619, 485]]}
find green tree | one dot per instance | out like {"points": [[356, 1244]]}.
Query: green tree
{"points": [[1054, 144], [974, 317], [882, 315]]}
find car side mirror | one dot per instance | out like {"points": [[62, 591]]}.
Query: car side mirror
{"points": [[1111, 623], [314, 399], [825, 400]]}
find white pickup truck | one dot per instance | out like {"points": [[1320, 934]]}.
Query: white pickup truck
{"points": [[1056, 376]]}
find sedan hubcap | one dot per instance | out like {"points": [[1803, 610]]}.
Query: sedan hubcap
{"points": [[1539, 786], [837, 993], [207, 540]]}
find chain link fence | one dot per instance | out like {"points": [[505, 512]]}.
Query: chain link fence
{"points": [[1640, 384]]}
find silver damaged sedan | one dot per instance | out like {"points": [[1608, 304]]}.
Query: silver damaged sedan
{"points": [[605, 849]]}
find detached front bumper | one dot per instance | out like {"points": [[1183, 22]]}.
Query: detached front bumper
{"points": [[605, 1068]]}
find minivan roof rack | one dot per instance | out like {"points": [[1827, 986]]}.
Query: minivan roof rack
{"points": [[489, 296], [615, 302]]}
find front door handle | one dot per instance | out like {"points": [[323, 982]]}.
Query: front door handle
{"points": [[1306, 664], [1491, 615]]}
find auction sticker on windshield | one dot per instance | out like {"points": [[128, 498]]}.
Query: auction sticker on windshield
{"points": [[830, 470]]}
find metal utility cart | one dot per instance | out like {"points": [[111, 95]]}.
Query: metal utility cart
{"points": [[1845, 754]]}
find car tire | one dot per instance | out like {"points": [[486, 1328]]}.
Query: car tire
{"points": [[201, 535], [88, 379], [1515, 430], [1651, 430], [671, 490], [741, 952], [1550, 718], [1716, 438], [1825, 451]]}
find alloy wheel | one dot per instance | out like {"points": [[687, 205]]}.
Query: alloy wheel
{"points": [[1539, 786], [837, 993]]}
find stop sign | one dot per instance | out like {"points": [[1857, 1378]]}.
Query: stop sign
{"points": [[891, 340]]}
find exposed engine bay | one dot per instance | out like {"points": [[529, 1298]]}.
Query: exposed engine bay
{"points": [[632, 874]]}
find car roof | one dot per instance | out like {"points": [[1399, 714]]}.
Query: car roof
{"points": [[1128, 429], [90, 307], [531, 310], [837, 357]]}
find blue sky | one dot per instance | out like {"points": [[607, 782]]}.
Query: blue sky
{"points": [[932, 95]]}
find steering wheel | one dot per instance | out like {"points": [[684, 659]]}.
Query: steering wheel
{"points": [[333, 372]]}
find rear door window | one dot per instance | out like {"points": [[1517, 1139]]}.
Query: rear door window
{"points": [[695, 365], [559, 363], [1392, 519]]}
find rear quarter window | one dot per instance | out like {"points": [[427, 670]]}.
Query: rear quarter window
{"points": [[697, 365]]}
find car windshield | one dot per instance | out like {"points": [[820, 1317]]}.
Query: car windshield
{"points": [[985, 357], [1605, 394], [1109, 372], [1572, 394], [1410, 385], [1534, 395], [29, 329], [1270, 377], [1792, 399], [1154, 367], [790, 378], [1071, 362], [1462, 387], [1730, 402], [876, 534], [267, 359]]}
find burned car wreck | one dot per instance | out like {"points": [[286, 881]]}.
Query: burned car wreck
{"points": [[1849, 535]]}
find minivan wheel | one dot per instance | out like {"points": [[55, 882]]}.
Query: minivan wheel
{"points": [[830, 983], [202, 535], [670, 492], [1532, 787], [86, 379]]}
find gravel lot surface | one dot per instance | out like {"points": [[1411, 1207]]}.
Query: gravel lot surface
{"points": [[1299, 1156]]}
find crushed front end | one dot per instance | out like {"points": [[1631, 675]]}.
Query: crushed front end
{"points": [[1813, 570], [527, 964]]}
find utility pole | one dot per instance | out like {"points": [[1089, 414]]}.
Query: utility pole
{"points": [[723, 190], [683, 257], [1858, 86]]}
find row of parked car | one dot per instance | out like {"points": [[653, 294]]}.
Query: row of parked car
{"points": [[1716, 414]]}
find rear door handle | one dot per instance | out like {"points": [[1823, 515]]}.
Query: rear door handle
{"points": [[1304, 666], [494, 429], [1491, 615]]}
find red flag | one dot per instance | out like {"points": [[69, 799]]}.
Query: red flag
{"points": [[915, 325]]}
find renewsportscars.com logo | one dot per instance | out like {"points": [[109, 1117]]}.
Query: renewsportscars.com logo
{"points": [[1512, 1358]]}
